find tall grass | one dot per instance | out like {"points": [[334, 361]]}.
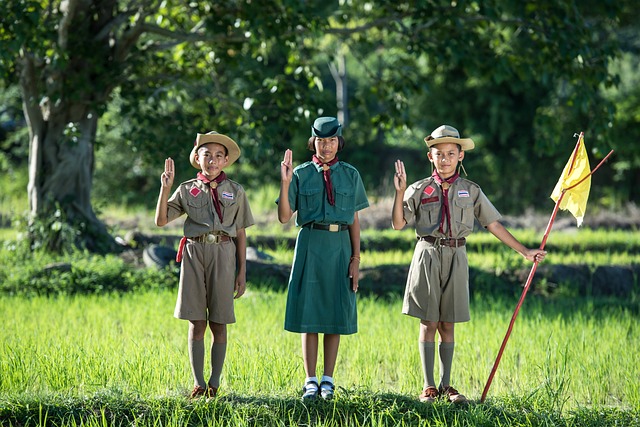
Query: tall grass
{"points": [[569, 357]]}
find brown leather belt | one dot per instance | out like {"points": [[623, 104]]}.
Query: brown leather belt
{"points": [[328, 227], [444, 241], [211, 238]]}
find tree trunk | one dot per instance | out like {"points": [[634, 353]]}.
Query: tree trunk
{"points": [[60, 182]]}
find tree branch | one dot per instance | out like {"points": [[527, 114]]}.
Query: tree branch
{"points": [[68, 10], [30, 101]]}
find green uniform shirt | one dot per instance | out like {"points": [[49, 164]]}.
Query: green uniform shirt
{"points": [[307, 194]]}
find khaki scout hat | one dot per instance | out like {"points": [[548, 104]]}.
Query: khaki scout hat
{"points": [[233, 151], [448, 134]]}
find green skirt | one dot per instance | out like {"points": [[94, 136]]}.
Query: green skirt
{"points": [[320, 298]]}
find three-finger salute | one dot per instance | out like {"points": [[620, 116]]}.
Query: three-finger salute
{"points": [[400, 177], [168, 174], [286, 166]]}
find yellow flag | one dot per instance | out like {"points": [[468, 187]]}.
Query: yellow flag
{"points": [[575, 199]]}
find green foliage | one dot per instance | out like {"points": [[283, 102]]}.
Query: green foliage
{"points": [[519, 77], [76, 273]]}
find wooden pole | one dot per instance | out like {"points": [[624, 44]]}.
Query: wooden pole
{"points": [[533, 269]]}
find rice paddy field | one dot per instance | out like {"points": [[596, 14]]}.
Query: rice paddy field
{"points": [[120, 358], [97, 345]]}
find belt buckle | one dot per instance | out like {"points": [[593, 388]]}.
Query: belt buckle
{"points": [[211, 238], [439, 241], [334, 227]]}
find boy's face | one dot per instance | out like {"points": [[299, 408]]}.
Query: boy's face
{"points": [[212, 158], [445, 158], [326, 148]]}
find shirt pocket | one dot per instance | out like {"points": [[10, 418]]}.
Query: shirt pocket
{"points": [[429, 212], [310, 198], [229, 210], [463, 213], [345, 199], [198, 207]]}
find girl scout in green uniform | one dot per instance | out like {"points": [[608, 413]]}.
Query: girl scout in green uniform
{"points": [[327, 195], [443, 207], [213, 251]]}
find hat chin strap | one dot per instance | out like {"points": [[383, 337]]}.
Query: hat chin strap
{"points": [[461, 166]]}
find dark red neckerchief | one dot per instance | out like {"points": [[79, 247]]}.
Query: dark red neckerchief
{"points": [[446, 213], [213, 185], [326, 172]]}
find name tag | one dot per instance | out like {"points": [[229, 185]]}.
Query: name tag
{"points": [[430, 200]]}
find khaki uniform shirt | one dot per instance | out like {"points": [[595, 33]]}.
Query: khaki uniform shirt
{"points": [[194, 198], [423, 204]]}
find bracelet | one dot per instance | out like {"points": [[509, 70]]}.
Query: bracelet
{"points": [[356, 258]]}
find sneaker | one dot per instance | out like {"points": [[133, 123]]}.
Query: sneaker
{"points": [[327, 389], [198, 392], [429, 395], [452, 395], [310, 390]]}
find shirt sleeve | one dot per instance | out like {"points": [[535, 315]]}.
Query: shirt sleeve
{"points": [[244, 217], [360, 196], [409, 205], [484, 210], [174, 205]]}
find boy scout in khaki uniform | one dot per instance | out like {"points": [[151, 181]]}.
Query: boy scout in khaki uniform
{"points": [[443, 207], [213, 249]]}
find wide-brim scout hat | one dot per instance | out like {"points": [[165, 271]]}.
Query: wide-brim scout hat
{"points": [[326, 127], [448, 134], [233, 151]]}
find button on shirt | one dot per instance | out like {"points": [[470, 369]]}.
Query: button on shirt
{"points": [[423, 204], [307, 194], [194, 198]]}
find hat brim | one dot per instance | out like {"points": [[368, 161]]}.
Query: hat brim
{"points": [[465, 143], [233, 151]]}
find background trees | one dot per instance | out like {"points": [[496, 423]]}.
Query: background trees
{"points": [[136, 80]]}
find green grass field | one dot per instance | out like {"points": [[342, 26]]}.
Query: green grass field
{"points": [[120, 358], [561, 361]]}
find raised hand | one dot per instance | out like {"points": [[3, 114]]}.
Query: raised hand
{"points": [[400, 177], [286, 167], [166, 179]]}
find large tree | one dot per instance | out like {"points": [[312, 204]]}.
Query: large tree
{"points": [[258, 68], [69, 57]]}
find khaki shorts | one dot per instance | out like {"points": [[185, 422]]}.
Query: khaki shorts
{"points": [[437, 287], [207, 280]]}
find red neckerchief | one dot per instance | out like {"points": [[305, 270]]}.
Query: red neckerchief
{"points": [[445, 184], [326, 172], [213, 185]]}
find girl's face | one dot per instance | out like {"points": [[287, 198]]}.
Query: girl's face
{"points": [[445, 158], [326, 148], [212, 158]]}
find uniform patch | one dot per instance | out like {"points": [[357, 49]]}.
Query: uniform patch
{"points": [[463, 193], [227, 195], [429, 200], [429, 190], [195, 191]]}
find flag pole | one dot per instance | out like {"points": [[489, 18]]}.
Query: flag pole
{"points": [[533, 271]]}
